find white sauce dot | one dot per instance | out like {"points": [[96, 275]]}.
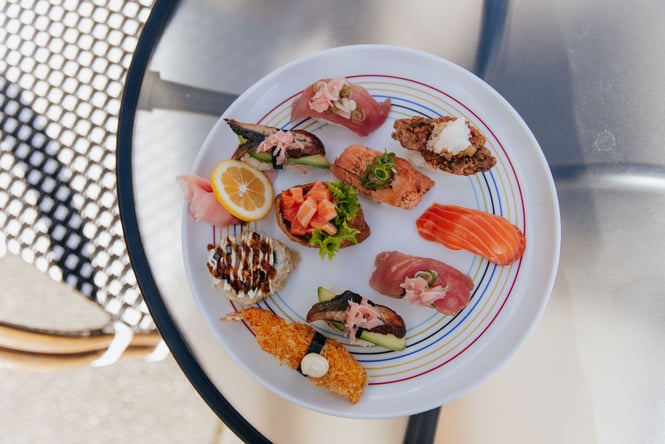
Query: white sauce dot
{"points": [[314, 365]]}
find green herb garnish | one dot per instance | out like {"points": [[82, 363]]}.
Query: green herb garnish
{"points": [[380, 172]]}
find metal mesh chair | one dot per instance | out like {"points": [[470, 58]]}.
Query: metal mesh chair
{"points": [[63, 65]]}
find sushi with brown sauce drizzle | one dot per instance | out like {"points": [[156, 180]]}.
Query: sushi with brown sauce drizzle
{"points": [[250, 266]]}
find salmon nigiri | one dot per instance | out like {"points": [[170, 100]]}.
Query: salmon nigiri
{"points": [[487, 235]]}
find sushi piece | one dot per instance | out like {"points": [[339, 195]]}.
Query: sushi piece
{"points": [[266, 147], [383, 177], [490, 236], [359, 318], [323, 215], [202, 203], [447, 143], [250, 266], [421, 280], [296, 345], [343, 103]]}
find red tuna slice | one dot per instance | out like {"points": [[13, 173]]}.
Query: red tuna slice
{"points": [[490, 236], [393, 267], [368, 116], [202, 204]]}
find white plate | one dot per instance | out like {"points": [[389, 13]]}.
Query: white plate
{"points": [[446, 356]]}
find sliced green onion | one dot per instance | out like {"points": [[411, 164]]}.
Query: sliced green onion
{"points": [[380, 172], [429, 275]]}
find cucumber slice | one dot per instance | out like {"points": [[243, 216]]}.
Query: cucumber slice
{"points": [[324, 294], [388, 341], [313, 160], [261, 157]]}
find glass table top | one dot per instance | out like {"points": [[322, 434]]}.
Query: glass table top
{"points": [[577, 72]]}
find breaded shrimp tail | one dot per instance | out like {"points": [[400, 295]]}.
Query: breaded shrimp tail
{"points": [[289, 342]]}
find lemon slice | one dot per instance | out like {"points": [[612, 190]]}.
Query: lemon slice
{"points": [[243, 190]]}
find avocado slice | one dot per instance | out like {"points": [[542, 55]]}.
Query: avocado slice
{"points": [[388, 341]]}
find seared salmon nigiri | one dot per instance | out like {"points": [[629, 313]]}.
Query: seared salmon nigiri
{"points": [[383, 177]]}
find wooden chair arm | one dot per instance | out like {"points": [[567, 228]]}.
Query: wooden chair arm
{"points": [[35, 340], [42, 362]]}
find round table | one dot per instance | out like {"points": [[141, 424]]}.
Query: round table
{"points": [[592, 369]]}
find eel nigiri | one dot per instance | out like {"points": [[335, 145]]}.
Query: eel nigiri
{"points": [[488, 235], [357, 316], [343, 103], [421, 280], [267, 147], [292, 342]]}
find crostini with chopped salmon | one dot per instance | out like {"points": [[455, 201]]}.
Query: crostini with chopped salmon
{"points": [[323, 215]]}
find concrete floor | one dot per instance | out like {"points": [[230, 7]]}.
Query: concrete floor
{"points": [[131, 401]]}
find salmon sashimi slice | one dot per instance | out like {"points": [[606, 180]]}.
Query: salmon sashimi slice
{"points": [[306, 211], [343, 103], [290, 342], [393, 268], [490, 236], [406, 190]]}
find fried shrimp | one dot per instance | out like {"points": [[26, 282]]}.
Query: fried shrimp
{"points": [[290, 342]]}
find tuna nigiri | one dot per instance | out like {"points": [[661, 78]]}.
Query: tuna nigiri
{"points": [[421, 280], [202, 204], [343, 103], [490, 236]]}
